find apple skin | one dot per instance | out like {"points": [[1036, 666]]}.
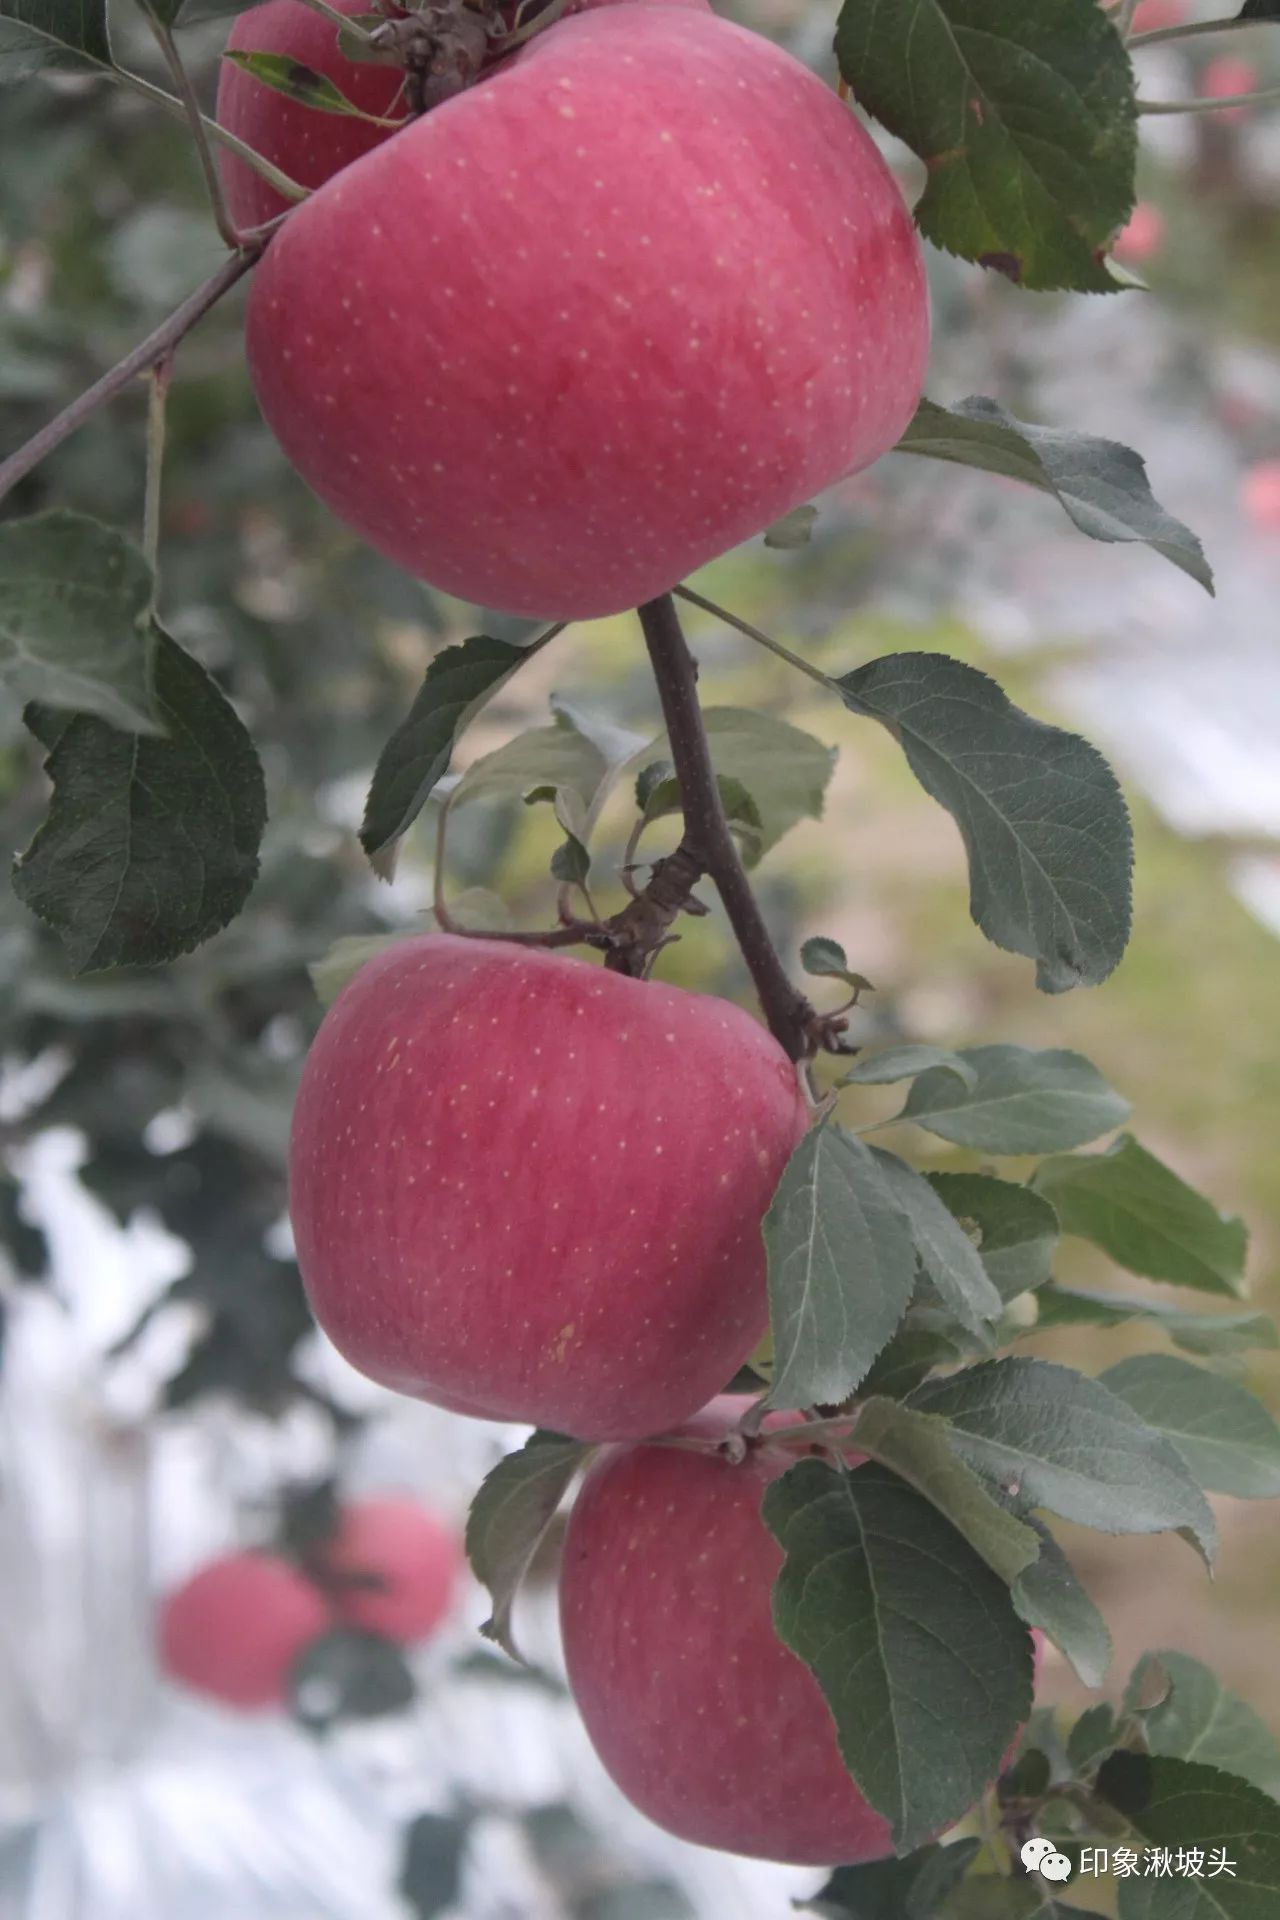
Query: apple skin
{"points": [[699, 1713], [528, 1189], [307, 145], [588, 325], [234, 1629], [412, 1554]]}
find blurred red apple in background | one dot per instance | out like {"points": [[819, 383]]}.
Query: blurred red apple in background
{"points": [[409, 1557], [235, 1628], [1260, 496], [1225, 77], [1143, 238]]}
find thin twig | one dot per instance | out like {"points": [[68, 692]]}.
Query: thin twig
{"points": [[1203, 104], [195, 119], [157, 408], [759, 636], [157, 346], [1187, 31], [791, 1018]]}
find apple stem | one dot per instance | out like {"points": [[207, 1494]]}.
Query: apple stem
{"points": [[708, 841]]}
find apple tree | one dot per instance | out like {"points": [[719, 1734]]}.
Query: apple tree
{"points": [[550, 306]]}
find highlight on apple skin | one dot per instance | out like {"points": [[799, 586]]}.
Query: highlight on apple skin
{"points": [[529, 1189], [582, 328], [703, 1718]]}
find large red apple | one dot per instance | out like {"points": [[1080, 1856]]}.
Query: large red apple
{"points": [[529, 1189], [582, 328], [307, 145], [700, 1714], [235, 1628], [391, 1568]]}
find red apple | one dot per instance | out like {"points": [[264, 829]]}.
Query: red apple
{"points": [[307, 145], [410, 1558], [702, 1717], [529, 1189], [1155, 14], [1225, 77], [1143, 238], [582, 328], [235, 1628], [1260, 496]]}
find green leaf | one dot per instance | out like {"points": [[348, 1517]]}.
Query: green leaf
{"points": [[912, 1638], [150, 844], [916, 1447], [60, 27], [1225, 1435], [1210, 1334], [509, 1515], [1014, 1229], [458, 683], [663, 798], [904, 1062], [794, 530], [1141, 1214], [944, 1250], [649, 779], [547, 757], [825, 959], [909, 1358], [1024, 1101], [842, 1267], [1043, 820], [785, 771], [913, 1888], [1102, 485], [1178, 1804], [1049, 1595], [430, 1880], [165, 11], [348, 1674], [1092, 1735], [75, 618], [297, 82], [1259, 10], [1200, 1719], [1024, 116], [1052, 1438]]}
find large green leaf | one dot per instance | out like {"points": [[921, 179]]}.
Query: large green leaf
{"points": [[914, 1641], [1023, 1101], [1147, 1219], [1053, 1438], [151, 844], [842, 1266], [1210, 1334], [1024, 116], [1102, 485], [510, 1514], [943, 1248], [1043, 820], [1049, 1595], [1225, 1435], [1200, 1719], [785, 770], [891, 1064], [916, 1447], [1015, 1230], [56, 29], [913, 1888], [457, 685], [75, 618], [1178, 1804]]}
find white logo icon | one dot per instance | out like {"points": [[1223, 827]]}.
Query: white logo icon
{"points": [[1041, 1856]]}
